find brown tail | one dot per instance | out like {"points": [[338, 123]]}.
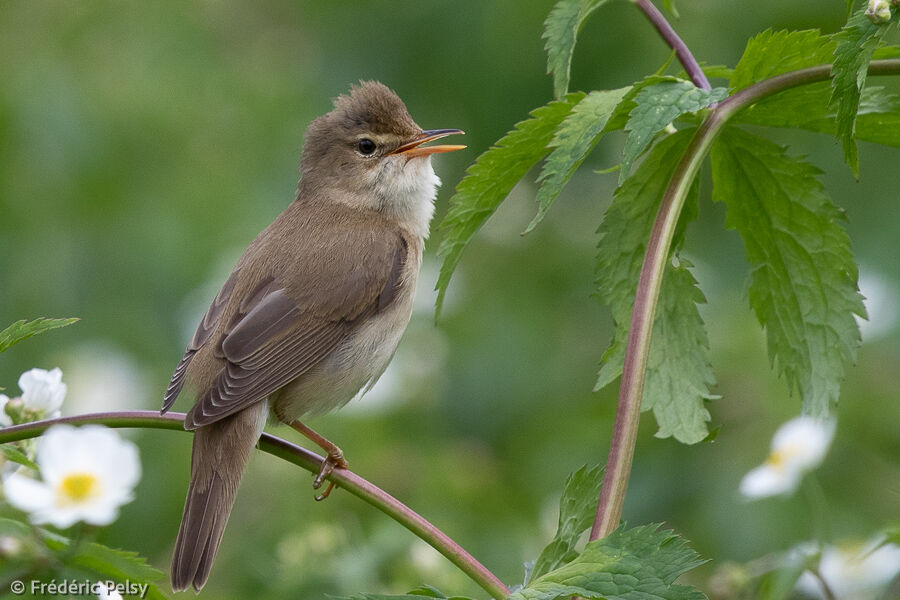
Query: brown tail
{"points": [[220, 454]]}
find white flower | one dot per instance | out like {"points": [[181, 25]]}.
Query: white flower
{"points": [[43, 391], [854, 571], [105, 592], [797, 447], [881, 300], [88, 473], [5, 421]]}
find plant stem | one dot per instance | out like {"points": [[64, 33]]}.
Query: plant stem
{"points": [[305, 459], [826, 589], [621, 451], [685, 56]]}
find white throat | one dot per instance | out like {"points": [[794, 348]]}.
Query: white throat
{"points": [[405, 189]]}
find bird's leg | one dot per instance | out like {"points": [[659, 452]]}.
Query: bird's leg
{"points": [[333, 459]]}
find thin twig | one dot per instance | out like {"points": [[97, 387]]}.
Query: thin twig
{"points": [[301, 457], [671, 38], [634, 371]]}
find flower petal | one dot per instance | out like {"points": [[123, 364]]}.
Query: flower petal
{"points": [[68, 454], [767, 480], [804, 441], [27, 494], [43, 390], [5, 421]]}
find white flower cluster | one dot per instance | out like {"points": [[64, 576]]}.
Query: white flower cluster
{"points": [[42, 396], [86, 473], [853, 571]]}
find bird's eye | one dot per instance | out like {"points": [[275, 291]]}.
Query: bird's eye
{"points": [[366, 147]]}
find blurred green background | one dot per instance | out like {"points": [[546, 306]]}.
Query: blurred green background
{"points": [[144, 144]]}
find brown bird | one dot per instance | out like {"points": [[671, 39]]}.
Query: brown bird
{"points": [[314, 308]]}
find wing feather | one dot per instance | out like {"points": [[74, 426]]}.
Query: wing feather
{"points": [[204, 331], [281, 328]]}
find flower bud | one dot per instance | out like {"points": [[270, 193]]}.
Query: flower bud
{"points": [[15, 410], [879, 11], [10, 547]]}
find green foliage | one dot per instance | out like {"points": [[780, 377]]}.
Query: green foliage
{"points": [[637, 564], [679, 360], [425, 591], [91, 559], [576, 137], [772, 53], [576, 513], [11, 453], [878, 118], [490, 179], [778, 584], [670, 6], [620, 117], [856, 43], [892, 533], [678, 349], [886, 52], [803, 282], [803, 279], [808, 107], [21, 330], [714, 72], [560, 30], [656, 107]]}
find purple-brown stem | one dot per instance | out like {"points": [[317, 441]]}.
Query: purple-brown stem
{"points": [[301, 457], [634, 370], [685, 57]]}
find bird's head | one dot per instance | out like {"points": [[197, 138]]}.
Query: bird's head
{"points": [[369, 151]]}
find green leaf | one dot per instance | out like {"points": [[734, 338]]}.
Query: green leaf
{"points": [[560, 30], [577, 135], [656, 107], [892, 533], [620, 116], [119, 565], [806, 107], [576, 513], [670, 6], [856, 43], [13, 454], [803, 283], [714, 72], [623, 239], [679, 360], [772, 53], [93, 558], [809, 107], [425, 591], [490, 179], [886, 52], [634, 564], [779, 584], [678, 349], [21, 330]]}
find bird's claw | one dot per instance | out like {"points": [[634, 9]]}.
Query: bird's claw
{"points": [[334, 460]]}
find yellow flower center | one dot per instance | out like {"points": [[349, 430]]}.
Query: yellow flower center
{"points": [[778, 458], [78, 487]]}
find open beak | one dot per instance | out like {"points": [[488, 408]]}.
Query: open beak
{"points": [[414, 147]]}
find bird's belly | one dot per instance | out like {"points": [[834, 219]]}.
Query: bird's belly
{"points": [[358, 360]]}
